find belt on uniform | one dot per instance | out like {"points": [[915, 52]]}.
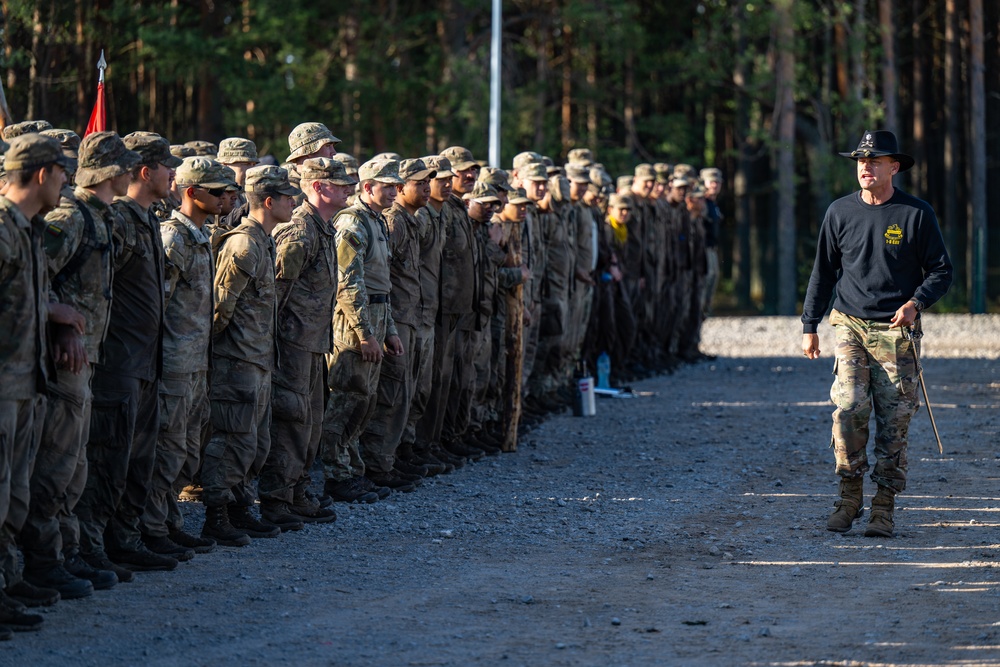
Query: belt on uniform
{"points": [[378, 298]]}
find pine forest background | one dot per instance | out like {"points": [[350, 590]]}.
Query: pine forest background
{"points": [[769, 91]]}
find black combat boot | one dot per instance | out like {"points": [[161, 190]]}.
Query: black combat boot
{"points": [[217, 527], [243, 519]]}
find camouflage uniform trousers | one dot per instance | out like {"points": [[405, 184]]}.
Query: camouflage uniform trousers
{"points": [[691, 335], [296, 424], [482, 364], [874, 366], [20, 430], [124, 425], [179, 406], [198, 434], [421, 362], [445, 336], [352, 402], [683, 296], [530, 351], [490, 410], [384, 432], [59, 474], [240, 412], [463, 380], [711, 280], [583, 301]]}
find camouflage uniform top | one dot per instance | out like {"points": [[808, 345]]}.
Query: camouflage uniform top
{"points": [[306, 280], [560, 251], [86, 287], [533, 254], [497, 278], [24, 297], [431, 225], [404, 269], [363, 263], [164, 207], [187, 292], [134, 345], [244, 322], [461, 286]]}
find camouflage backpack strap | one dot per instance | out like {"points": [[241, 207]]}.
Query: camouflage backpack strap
{"points": [[87, 245]]}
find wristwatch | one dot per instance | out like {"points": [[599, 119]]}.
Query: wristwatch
{"points": [[918, 304]]}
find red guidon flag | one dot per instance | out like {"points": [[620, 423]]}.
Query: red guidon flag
{"points": [[99, 117]]}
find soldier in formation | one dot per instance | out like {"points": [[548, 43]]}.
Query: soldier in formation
{"points": [[189, 321]]}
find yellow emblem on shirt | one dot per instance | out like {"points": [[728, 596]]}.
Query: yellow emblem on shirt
{"points": [[893, 235]]}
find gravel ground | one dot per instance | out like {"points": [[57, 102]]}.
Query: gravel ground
{"points": [[684, 527]]}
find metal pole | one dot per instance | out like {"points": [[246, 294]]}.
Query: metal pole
{"points": [[495, 84]]}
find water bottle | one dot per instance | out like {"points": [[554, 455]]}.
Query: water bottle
{"points": [[604, 371]]}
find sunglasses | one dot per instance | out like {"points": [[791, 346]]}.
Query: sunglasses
{"points": [[215, 192]]}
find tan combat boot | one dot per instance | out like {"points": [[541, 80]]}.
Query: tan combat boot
{"points": [[849, 505], [880, 519]]}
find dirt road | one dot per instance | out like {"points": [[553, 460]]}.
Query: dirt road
{"points": [[682, 528]]}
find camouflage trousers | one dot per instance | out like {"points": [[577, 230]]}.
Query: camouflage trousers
{"points": [[530, 336], [482, 363], [445, 336], [182, 397], [463, 380], [20, 430], [240, 412], [422, 361], [59, 474], [199, 432], [874, 367], [353, 398], [711, 280], [296, 424], [382, 436], [124, 425]]}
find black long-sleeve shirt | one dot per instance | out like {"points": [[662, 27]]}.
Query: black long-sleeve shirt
{"points": [[877, 258]]}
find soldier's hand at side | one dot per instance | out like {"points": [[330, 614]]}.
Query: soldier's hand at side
{"points": [[810, 345], [60, 313], [905, 316], [68, 350], [371, 351], [394, 346]]}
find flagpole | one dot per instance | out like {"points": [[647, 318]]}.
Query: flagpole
{"points": [[102, 65], [98, 117], [494, 157]]}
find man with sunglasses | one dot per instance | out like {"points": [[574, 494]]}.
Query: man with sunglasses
{"points": [[187, 290]]}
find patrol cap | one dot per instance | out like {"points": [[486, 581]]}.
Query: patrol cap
{"points": [[581, 156], [103, 156], [533, 172], [483, 193], [389, 156], [293, 172], [696, 192], [619, 201], [519, 197], [152, 149], [383, 171], [577, 172], [415, 170], [550, 167], [70, 142], [204, 148], [663, 172], [440, 164], [203, 172], [181, 151], [644, 172], [25, 127], [600, 177], [681, 182], [325, 169], [230, 176], [237, 149], [349, 161], [687, 170], [32, 151], [524, 159], [495, 177], [268, 179], [307, 138], [711, 174], [624, 182], [461, 158]]}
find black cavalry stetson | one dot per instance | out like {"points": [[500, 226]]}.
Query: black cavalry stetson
{"points": [[878, 143]]}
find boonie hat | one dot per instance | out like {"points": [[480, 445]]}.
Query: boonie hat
{"points": [[103, 155], [383, 171], [307, 138], [26, 127], [237, 149]]}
